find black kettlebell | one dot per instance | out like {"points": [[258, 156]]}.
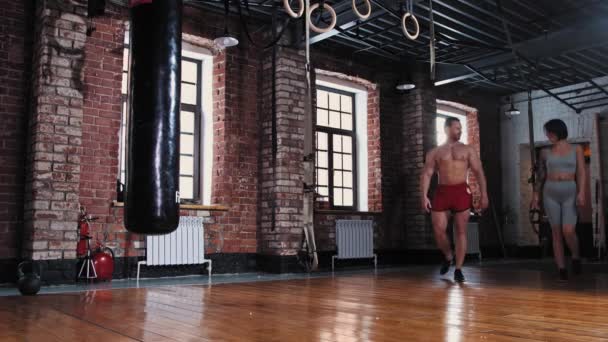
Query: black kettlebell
{"points": [[28, 283]]}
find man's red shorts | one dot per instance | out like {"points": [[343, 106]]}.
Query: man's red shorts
{"points": [[456, 198]]}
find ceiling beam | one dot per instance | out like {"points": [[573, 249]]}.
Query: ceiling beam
{"points": [[572, 38]]}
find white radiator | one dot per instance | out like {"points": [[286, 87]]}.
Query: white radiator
{"points": [[355, 240], [185, 246], [472, 239]]}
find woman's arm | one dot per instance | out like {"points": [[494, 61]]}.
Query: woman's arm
{"points": [[581, 176]]}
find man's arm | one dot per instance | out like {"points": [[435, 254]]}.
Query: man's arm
{"points": [[425, 179], [477, 169]]}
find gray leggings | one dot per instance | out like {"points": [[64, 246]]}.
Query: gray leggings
{"points": [[559, 199]]}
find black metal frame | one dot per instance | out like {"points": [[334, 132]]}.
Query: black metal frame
{"points": [[330, 133], [469, 33], [198, 111]]}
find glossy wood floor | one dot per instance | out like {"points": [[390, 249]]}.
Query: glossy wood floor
{"points": [[497, 304]]}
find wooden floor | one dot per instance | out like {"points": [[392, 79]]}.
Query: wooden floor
{"points": [[497, 304]]}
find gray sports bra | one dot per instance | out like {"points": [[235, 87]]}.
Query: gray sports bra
{"points": [[561, 164]]}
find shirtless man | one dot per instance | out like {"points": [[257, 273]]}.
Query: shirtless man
{"points": [[452, 162]]}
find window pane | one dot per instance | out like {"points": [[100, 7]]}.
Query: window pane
{"points": [[347, 180], [348, 198], [322, 119], [189, 72], [347, 122], [124, 83], [334, 119], [323, 191], [337, 178], [439, 124], [337, 161], [125, 60], [186, 187], [187, 122], [186, 165], [347, 144], [338, 197], [188, 93], [322, 141], [334, 101], [322, 177], [347, 104], [322, 160], [186, 144], [322, 99], [337, 145], [347, 162]]}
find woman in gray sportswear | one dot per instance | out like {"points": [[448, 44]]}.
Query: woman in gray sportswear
{"points": [[561, 181]]}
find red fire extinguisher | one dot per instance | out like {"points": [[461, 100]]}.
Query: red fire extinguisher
{"points": [[83, 234]]}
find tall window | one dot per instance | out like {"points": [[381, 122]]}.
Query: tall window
{"points": [[190, 128], [440, 126], [335, 147], [190, 138]]}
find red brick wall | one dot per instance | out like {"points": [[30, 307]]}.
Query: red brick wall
{"points": [[15, 60], [235, 111], [473, 140], [101, 125], [236, 135]]}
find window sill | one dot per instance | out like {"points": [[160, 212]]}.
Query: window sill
{"points": [[347, 212], [213, 207]]}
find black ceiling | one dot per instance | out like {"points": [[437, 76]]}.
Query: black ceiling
{"points": [[556, 42]]}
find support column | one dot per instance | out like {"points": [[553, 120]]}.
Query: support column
{"points": [[282, 188], [54, 132]]}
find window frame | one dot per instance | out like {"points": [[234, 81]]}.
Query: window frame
{"points": [[197, 192], [197, 135], [331, 132]]}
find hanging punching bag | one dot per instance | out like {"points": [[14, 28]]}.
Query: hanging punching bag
{"points": [[152, 196]]}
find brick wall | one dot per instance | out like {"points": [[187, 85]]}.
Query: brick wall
{"points": [[101, 126], [54, 136], [73, 139], [284, 189], [15, 61], [419, 112]]}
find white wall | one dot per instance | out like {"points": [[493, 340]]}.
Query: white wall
{"points": [[514, 133]]}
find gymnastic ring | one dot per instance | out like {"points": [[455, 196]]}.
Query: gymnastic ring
{"points": [[359, 14], [333, 18], [291, 12], [407, 34]]}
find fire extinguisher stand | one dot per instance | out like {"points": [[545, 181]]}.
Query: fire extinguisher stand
{"points": [[87, 262]]}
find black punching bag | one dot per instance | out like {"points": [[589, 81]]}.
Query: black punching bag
{"points": [[152, 196]]}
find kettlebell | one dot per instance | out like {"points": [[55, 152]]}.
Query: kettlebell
{"points": [[28, 283]]}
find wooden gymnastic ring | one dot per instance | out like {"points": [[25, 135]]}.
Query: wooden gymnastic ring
{"points": [[333, 18], [407, 34], [291, 12], [359, 14]]}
